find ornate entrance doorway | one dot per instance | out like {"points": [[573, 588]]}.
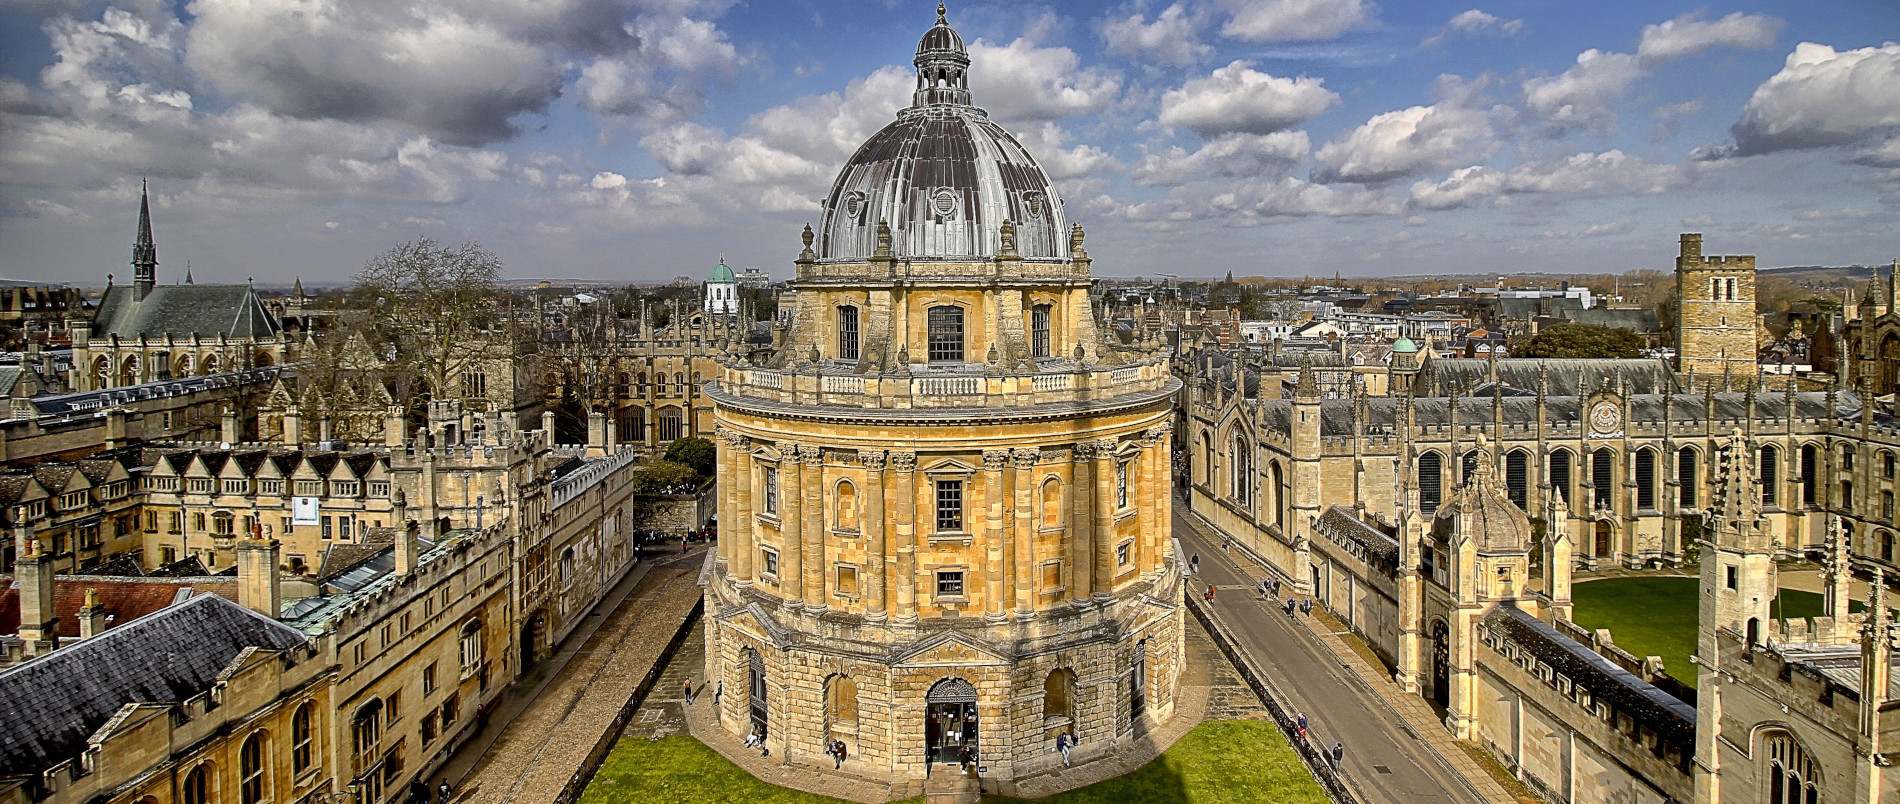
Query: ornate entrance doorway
{"points": [[1441, 663], [950, 720], [755, 670], [1602, 541]]}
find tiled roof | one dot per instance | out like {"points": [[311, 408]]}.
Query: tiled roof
{"points": [[57, 701], [124, 599]]}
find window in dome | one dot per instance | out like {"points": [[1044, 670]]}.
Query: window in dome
{"points": [[944, 203], [853, 205], [946, 334], [1034, 201]]}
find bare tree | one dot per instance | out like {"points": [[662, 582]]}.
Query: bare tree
{"points": [[581, 353], [434, 316]]}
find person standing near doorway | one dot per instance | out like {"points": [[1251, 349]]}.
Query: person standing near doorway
{"points": [[1062, 746]]}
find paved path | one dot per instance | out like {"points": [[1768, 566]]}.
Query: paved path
{"points": [[1386, 759], [542, 733]]}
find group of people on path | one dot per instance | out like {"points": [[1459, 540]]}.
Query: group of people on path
{"points": [[419, 792]]}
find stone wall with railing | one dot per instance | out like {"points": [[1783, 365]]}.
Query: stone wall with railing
{"points": [[935, 388]]}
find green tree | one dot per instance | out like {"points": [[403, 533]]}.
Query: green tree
{"points": [[1580, 340], [656, 477], [698, 453]]}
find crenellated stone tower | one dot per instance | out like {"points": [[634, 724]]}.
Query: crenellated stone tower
{"points": [[1715, 312]]}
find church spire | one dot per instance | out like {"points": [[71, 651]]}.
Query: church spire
{"points": [[144, 252]]}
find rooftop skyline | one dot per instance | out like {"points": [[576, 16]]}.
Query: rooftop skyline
{"points": [[636, 141]]}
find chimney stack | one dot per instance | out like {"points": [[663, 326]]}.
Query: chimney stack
{"points": [[92, 616], [228, 429], [258, 585], [408, 547], [39, 620]]}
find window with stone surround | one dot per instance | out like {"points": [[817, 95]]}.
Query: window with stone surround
{"points": [[847, 583], [950, 584], [769, 502], [847, 333], [949, 506], [768, 559], [1039, 331], [945, 325]]}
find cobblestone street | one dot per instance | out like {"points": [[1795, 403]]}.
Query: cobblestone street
{"points": [[543, 733]]}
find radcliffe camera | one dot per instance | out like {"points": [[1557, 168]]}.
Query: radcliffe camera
{"points": [[1200, 402]]}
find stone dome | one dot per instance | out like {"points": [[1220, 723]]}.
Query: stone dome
{"points": [[943, 176], [1487, 513]]}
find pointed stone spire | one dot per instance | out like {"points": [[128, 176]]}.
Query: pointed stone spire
{"points": [[188, 273], [1308, 387], [296, 289], [144, 250]]}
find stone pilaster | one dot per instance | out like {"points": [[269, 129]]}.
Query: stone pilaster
{"points": [[1079, 576], [997, 582], [813, 533], [906, 465], [743, 531], [791, 494], [871, 524], [1021, 570], [1102, 543]]}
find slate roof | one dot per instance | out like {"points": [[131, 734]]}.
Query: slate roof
{"points": [[1380, 546], [1687, 410], [182, 311], [1607, 681], [1836, 663], [55, 702], [1567, 376]]}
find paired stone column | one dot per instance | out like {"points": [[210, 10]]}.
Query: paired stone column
{"points": [[1147, 539], [1081, 574], [1104, 541], [906, 465], [1020, 567], [740, 529], [813, 532], [995, 552], [791, 485], [871, 523], [1161, 489]]}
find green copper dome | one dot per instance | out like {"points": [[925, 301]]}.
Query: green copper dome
{"points": [[1404, 345], [720, 273]]}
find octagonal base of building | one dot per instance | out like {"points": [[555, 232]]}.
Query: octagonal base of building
{"points": [[907, 699]]}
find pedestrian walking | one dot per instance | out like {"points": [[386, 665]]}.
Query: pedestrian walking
{"points": [[1062, 746], [752, 739], [689, 692], [719, 693], [965, 758], [1302, 725], [831, 750], [1306, 605], [418, 792], [443, 791], [1194, 564], [842, 752], [682, 545], [1288, 607], [1265, 589], [1339, 753], [1210, 593]]}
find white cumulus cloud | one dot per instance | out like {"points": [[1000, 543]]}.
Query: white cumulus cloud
{"points": [[1232, 155], [1475, 23], [1823, 97], [1239, 98], [1584, 96], [1610, 173], [1688, 35], [1288, 20], [1021, 82], [1456, 130], [1169, 39]]}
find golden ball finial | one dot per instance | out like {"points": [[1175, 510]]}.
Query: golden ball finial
{"points": [[941, 20]]}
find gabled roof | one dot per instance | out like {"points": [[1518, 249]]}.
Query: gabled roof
{"points": [[56, 702], [182, 311], [124, 599]]}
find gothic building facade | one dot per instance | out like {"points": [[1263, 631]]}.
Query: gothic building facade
{"points": [[946, 502]]}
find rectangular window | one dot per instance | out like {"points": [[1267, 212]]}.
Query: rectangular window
{"points": [[1121, 553], [769, 558], [847, 333], [1121, 484], [394, 702], [273, 488], [1731, 577], [379, 488], [284, 526], [428, 728], [451, 709], [1039, 331], [946, 334], [949, 506], [950, 583], [1847, 494], [343, 527], [326, 527], [771, 490], [847, 585]]}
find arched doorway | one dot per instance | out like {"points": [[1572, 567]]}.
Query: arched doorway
{"points": [[1602, 546], [755, 691], [531, 641], [950, 720], [1138, 683], [1441, 663]]}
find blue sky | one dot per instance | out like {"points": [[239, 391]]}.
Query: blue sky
{"points": [[638, 140]]}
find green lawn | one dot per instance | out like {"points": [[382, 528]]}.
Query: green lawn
{"points": [[1219, 762], [1658, 617]]}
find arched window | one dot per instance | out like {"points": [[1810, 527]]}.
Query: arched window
{"points": [[1810, 473], [847, 333], [209, 365], [671, 425], [1242, 464], [846, 515], [641, 387], [1686, 477], [1430, 482], [1770, 475], [1560, 475], [1467, 466], [1039, 331], [471, 653], [945, 325], [251, 770], [1207, 459], [1517, 465], [1278, 480], [1052, 503], [197, 786], [1646, 479], [1058, 699], [1886, 546], [633, 424], [302, 737], [1602, 474], [1793, 776], [841, 702]]}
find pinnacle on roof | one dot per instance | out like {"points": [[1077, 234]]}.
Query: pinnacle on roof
{"points": [[144, 251]]}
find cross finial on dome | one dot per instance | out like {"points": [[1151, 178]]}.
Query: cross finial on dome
{"points": [[941, 19]]}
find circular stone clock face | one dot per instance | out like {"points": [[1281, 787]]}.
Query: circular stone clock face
{"points": [[1605, 417]]}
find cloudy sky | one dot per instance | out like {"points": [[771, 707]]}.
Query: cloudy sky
{"points": [[640, 139]]}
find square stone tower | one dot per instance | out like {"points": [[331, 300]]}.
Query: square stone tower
{"points": [[1715, 312]]}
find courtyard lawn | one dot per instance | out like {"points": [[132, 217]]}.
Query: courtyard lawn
{"points": [[1658, 616], [1219, 762]]}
